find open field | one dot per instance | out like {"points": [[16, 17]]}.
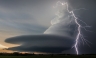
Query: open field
{"points": [[49, 56]]}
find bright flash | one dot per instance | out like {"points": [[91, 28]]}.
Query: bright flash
{"points": [[79, 35]]}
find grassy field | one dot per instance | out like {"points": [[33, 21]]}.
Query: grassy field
{"points": [[46, 56]]}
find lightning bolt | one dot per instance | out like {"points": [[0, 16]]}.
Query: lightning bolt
{"points": [[79, 27]]}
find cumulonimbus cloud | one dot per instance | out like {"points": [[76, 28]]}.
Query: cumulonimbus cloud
{"points": [[41, 43], [56, 38]]}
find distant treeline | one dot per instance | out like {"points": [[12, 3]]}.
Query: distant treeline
{"points": [[31, 54]]}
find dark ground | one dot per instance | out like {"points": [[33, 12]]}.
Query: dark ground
{"points": [[51, 56]]}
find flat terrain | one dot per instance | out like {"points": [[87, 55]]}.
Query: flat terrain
{"points": [[48, 56]]}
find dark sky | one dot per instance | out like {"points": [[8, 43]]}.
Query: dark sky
{"points": [[24, 17], [88, 16]]}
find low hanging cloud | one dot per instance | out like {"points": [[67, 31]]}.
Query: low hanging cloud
{"points": [[41, 43], [56, 39]]}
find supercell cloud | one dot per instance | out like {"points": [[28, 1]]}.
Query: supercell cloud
{"points": [[56, 39], [41, 43]]}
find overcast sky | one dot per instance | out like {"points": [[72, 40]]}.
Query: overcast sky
{"points": [[31, 17], [20, 17]]}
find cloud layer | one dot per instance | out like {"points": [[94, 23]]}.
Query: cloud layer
{"points": [[41, 43], [56, 39]]}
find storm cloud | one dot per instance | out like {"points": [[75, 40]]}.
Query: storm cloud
{"points": [[41, 43], [58, 30], [56, 39]]}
